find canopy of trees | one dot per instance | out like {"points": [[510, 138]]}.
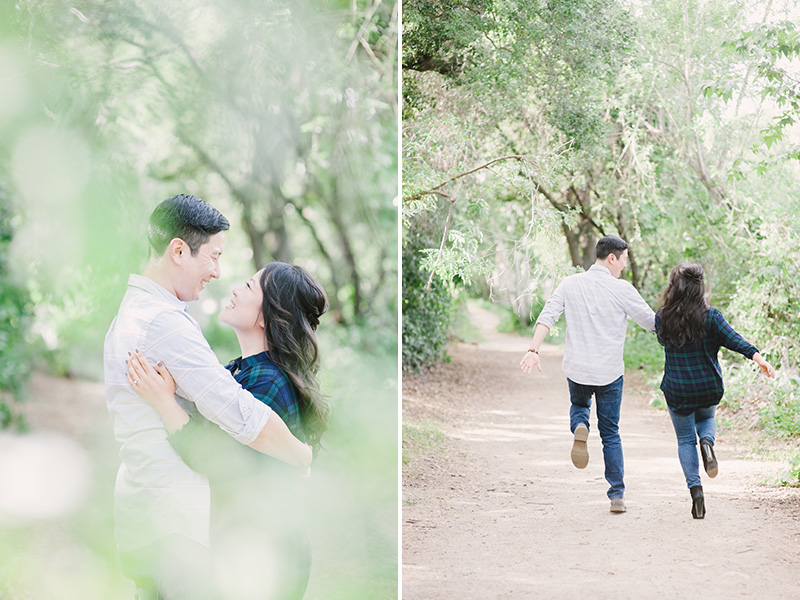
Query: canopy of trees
{"points": [[530, 132], [281, 114]]}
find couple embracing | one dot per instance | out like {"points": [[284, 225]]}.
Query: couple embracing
{"points": [[596, 305], [191, 499]]}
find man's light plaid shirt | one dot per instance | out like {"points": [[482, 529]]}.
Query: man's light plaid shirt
{"points": [[156, 493], [596, 306]]}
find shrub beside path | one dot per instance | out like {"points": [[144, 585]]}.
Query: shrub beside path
{"points": [[493, 508]]}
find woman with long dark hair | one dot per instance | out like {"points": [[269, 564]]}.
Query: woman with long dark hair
{"points": [[254, 498], [692, 332]]}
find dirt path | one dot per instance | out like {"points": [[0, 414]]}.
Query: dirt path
{"points": [[498, 510]]}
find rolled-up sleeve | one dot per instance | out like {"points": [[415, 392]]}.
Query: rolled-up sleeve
{"points": [[553, 308], [201, 379], [638, 310]]}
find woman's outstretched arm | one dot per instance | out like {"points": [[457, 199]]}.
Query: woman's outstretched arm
{"points": [[729, 338], [768, 369]]}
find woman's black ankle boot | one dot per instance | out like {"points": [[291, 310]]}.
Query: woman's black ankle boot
{"points": [[709, 458], [698, 502]]}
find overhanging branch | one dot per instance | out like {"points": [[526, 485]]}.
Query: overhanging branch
{"points": [[436, 191]]}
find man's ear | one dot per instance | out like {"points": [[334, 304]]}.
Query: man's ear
{"points": [[176, 249]]}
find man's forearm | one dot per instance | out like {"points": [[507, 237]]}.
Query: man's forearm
{"points": [[173, 415], [277, 441], [531, 357], [539, 334]]}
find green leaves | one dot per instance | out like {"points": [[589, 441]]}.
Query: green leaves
{"points": [[773, 52], [499, 97], [671, 126], [16, 320]]}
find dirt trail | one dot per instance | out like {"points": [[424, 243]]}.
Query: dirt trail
{"points": [[500, 512]]}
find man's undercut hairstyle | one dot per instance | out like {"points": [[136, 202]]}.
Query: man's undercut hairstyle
{"points": [[186, 217], [610, 244]]}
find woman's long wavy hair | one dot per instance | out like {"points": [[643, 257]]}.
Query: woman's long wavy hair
{"points": [[292, 305], [684, 307]]}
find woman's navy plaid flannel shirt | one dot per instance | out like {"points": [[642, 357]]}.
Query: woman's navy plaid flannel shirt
{"points": [[267, 382], [692, 376]]}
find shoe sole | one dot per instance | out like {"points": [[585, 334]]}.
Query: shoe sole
{"points": [[580, 453], [710, 461]]}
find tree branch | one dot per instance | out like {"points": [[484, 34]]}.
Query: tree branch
{"points": [[452, 200], [359, 37], [434, 189], [424, 62]]}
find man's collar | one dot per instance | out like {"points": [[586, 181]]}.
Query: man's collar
{"points": [[150, 286], [596, 267]]}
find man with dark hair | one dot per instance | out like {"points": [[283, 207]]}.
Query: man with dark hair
{"points": [[185, 217], [161, 505], [596, 305]]}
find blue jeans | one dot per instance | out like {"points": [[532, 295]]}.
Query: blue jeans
{"points": [[609, 400], [688, 429]]}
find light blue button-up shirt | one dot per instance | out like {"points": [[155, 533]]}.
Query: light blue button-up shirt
{"points": [[596, 306], [156, 494]]}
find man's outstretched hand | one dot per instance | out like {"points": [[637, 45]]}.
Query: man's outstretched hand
{"points": [[530, 360]]}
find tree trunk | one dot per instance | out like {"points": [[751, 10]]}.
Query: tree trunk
{"points": [[333, 294], [254, 234], [277, 236], [631, 254], [347, 249], [572, 245]]}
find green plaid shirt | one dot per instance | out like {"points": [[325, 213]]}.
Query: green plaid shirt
{"points": [[268, 383], [692, 375]]}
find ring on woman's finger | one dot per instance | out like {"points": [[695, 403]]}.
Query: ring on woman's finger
{"points": [[135, 381]]}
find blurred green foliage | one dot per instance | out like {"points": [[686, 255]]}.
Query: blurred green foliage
{"points": [[512, 322], [353, 508], [767, 299], [283, 115], [642, 350], [16, 319], [351, 504]]}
